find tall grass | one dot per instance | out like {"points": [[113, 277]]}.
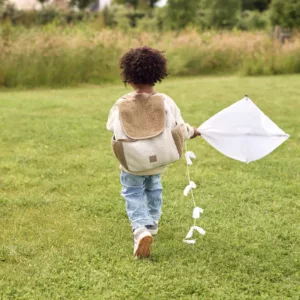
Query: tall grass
{"points": [[52, 55], [47, 58]]}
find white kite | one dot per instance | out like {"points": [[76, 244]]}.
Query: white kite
{"points": [[242, 132]]}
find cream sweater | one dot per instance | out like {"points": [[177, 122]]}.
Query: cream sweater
{"points": [[170, 107]]}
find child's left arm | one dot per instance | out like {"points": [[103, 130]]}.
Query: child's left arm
{"points": [[112, 116]]}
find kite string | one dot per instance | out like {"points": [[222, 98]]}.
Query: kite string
{"points": [[189, 179]]}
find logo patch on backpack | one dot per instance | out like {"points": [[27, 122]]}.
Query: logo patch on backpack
{"points": [[152, 158]]}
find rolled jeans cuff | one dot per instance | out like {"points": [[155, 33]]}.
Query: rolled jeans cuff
{"points": [[141, 223]]}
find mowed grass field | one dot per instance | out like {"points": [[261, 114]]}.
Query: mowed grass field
{"points": [[64, 233]]}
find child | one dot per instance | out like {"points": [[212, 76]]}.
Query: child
{"points": [[153, 121]]}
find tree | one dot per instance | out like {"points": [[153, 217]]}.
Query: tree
{"points": [[41, 1], [181, 13], [260, 5], [81, 4], [285, 13], [2, 6], [152, 3], [138, 3], [133, 3], [220, 13]]}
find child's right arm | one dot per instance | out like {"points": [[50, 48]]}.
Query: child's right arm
{"points": [[189, 131]]}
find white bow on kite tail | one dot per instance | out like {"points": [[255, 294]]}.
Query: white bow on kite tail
{"points": [[189, 189]]}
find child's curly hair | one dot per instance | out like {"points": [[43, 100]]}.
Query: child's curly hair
{"points": [[143, 65]]}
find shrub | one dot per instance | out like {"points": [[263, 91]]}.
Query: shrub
{"points": [[285, 13], [181, 13], [2, 3], [44, 16], [253, 20], [258, 5], [219, 13], [148, 24], [114, 15]]}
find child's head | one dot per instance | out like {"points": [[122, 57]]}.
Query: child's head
{"points": [[143, 65]]}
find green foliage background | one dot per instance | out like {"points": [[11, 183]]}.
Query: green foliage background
{"points": [[260, 5], [219, 13], [181, 13], [286, 13], [176, 15]]}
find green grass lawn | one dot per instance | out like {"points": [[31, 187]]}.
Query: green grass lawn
{"points": [[64, 233]]}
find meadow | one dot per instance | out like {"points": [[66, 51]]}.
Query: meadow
{"points": [[64, 233], [53, 56]]}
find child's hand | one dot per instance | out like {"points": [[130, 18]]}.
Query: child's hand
{"points": [[196, 133]]}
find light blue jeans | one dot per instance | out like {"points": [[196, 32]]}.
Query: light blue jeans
{"points": [[143, 196]]}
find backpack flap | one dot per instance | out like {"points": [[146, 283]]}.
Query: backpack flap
{"points": [[142, 118]]}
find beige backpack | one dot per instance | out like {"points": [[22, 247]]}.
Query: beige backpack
{"points": [[146, 134]]}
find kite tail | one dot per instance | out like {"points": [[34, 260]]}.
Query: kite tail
{"points": [[189, 188]]}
